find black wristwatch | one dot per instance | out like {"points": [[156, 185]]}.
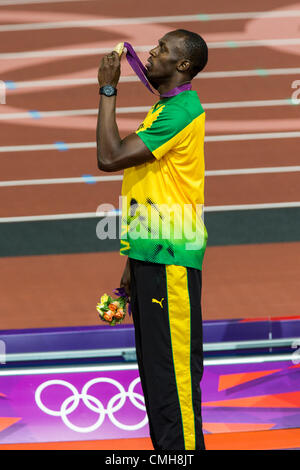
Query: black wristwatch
{"points": [[108, 90]]}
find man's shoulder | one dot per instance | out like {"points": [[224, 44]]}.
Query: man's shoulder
{"points": [[186, 106], [170, 116]]}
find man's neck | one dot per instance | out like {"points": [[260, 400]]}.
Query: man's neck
{"points": [[168, 86]]}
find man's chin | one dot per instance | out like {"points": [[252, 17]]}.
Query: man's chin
{"points": [[152, 81]]}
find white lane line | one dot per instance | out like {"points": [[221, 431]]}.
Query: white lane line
{"points": [[80, 215], [64, 113], [144, 109], [28, 148], [250, 73], [28, 2], [252, 171], [239, 207], [254, 43], [212, 138], [72, 82], [248, 104], [90, 179], [134, 78], [104, 50], [106, 179], [257, 136], [88, 215], [149, 20]]}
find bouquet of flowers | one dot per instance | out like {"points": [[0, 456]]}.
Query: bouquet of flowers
{"points": [[111, 310]]}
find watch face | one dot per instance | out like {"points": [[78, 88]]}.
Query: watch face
{"points": [[108, 90]]}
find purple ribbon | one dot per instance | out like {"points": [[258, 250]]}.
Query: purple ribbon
{"points": [[140, 71], [120, 292]]}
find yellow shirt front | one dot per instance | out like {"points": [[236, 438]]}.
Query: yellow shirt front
{"points": [[163, 200]]}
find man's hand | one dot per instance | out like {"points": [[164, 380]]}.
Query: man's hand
{"points": [[109, 70]]}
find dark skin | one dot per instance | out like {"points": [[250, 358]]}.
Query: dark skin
{"points": [[166, 69]]}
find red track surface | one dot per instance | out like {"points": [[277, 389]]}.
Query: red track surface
{"points": [[238, 281], [243, 281]]}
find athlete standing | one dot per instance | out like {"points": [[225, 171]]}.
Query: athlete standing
{"points": [[163, 232]]}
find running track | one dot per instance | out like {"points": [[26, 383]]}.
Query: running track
{"points": [[251, 266]]}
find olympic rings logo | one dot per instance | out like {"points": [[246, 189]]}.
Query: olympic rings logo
{"points": [[94, 404]]}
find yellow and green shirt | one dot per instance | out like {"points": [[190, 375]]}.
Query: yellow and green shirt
{"points": [[163, 200]]}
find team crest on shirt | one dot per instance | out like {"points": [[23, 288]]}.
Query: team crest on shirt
{"points": [[150, 118]]}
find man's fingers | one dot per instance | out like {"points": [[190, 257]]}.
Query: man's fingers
{"points": [[114, 56], [109, 70], [111, 59]]}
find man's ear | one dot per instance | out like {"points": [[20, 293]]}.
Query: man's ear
{"points": [[184, 66]]}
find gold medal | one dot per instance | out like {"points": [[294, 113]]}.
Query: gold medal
{"points": [[119, 48]]}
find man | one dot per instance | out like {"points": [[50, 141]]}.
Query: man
{"points": [[163, 233]]}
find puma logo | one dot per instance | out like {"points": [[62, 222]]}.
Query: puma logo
{"points": [[158, 301]]}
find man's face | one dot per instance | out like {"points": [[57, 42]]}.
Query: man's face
{"points": [[163, 59]]}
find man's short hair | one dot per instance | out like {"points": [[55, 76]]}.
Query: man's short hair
{"points": [[195, 50]]}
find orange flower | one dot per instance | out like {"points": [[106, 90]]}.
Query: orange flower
{"points": [[108, 316], [112, 307], [119, 313]]}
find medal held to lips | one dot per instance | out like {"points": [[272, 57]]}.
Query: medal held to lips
{"points": [[134, 62], [141, 71]]}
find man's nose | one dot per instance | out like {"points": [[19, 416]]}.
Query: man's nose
{"points": [[153, 51]]}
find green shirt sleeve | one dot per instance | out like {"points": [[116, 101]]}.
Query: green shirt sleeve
{"points": [[161, 128]]}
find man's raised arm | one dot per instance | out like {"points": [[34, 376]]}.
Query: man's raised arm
{"points": [[114, 153]]}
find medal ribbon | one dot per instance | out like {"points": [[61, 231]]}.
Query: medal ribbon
{"points": [[140, 70]]}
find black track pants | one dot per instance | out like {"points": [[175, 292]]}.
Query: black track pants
{"points": [[166, 311]]}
